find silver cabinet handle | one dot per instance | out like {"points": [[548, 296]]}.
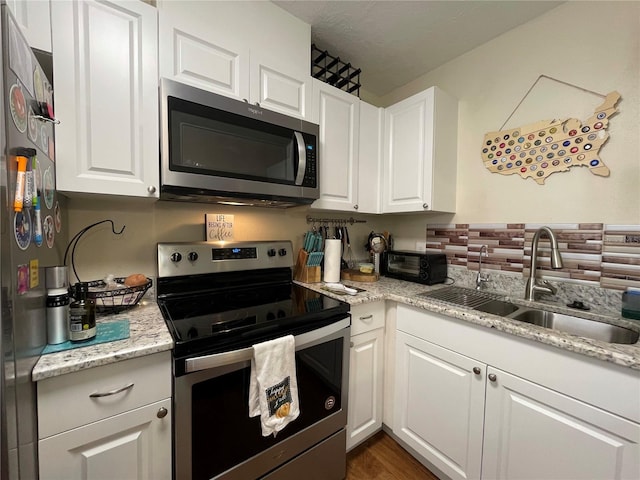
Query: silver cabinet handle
{"points": [[477, 370], [111, 392], [162, 412], [151, 189], [425, 206], [355, 207], [368, 317], [492, 377]]}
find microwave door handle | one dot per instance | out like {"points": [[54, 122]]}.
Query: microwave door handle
{"points": [[302, 157]]}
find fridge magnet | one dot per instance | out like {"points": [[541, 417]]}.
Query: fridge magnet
{"points": [[44, 139], [48, 230], [23, 279], [33, 126], [48, 186], [22, 228], [57, 217], [34, 277], [219, 227], [541, 149], [38, 84], [18, 107]]}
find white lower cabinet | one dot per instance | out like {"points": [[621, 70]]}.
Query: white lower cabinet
{"points": [[127, 446], [461, 409], [533, 432], [107, 422], [365, 372]]}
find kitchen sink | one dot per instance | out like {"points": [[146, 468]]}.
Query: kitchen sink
{"points": [[498, 307], [495, 305], [583, 327]]}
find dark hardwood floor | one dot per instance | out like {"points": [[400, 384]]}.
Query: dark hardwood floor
{"points": [[381, 458]]}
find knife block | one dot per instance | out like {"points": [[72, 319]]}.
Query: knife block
{"points": [[304, 273]]}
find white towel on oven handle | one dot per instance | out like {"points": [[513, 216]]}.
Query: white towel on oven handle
{"points": [[273, 387]]}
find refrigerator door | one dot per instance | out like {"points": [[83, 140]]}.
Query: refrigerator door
{"points": [[27, 245]]}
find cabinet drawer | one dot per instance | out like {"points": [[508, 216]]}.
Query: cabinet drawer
{"points": [[367, 317], [65, 402]]}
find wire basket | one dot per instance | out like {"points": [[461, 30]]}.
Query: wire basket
{"points": [[117, 299]]}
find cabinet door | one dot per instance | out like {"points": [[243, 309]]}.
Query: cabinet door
{"points": [[34, 19], [133, 445], [338, 115], [439, 405], [196, 51], [420, 153], [533, 432], [365, 386], [408, 163], [106, 97], [279, 87], [370, 154]]}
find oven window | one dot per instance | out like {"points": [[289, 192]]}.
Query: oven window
{"points": [[403, 264], [204, 140], [223, 435]]}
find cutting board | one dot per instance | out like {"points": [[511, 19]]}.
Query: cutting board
{"points": [[357, 276]]}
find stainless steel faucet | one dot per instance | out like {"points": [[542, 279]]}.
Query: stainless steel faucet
{"points": [[542, 286], [482, 278]]}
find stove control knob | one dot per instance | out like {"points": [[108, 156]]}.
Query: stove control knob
{"points": [[282, 252], [176, 257], [192, 256], [271, 252]]}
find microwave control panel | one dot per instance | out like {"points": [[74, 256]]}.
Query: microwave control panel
{"points": [[311, 171]]}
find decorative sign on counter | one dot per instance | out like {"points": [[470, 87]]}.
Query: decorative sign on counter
{"points": [[549, 146], [218, 227]]}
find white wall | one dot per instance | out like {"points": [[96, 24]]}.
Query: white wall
{"points": [[594, 45]]}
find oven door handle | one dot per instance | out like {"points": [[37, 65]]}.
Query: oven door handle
{"points": [[236, 356]]}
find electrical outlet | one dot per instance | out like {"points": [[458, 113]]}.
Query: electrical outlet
{"points": [[632, 239]]}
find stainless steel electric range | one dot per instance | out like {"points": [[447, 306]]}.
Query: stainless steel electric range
{"points": [[219, 299]]}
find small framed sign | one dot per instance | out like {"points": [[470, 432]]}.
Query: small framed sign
{"points": [[218, 227]]}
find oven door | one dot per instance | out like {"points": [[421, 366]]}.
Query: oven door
{"points": [[216, 438]]}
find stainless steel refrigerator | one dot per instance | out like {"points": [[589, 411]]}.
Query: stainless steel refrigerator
{"points": [[31, 238]]}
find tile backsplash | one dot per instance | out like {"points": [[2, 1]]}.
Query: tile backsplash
{"points": [[593, 254]]}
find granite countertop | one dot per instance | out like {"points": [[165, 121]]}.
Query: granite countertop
{"points": [[148, 334], [407, 293]]}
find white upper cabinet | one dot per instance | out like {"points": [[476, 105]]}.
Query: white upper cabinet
{"points": [[338, 114], [420, 153], [34, 19], [198, 48], [106, 97], [215, 46], [370, 158]]}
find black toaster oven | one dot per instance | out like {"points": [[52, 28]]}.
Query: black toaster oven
{"points": [[420, 267]]}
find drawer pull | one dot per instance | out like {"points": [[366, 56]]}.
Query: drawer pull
{"points": [[162, 412], [112, 392], [368, 317]]}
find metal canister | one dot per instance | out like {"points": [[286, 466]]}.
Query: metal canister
{"points": [[56, 282]]}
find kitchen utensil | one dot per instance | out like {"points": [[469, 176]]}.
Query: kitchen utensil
{"points": [[350, 261], [315, 259], [377, 244]]}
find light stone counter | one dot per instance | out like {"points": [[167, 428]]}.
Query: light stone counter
{"points": [[407, 293], [148, 335]]}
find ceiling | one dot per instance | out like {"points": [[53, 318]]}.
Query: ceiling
{"points": [[395, 42]]}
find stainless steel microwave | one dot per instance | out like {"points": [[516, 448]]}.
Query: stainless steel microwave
{"points": [[221, 150]]}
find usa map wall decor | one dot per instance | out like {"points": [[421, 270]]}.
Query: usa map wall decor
{"points": [[549, 146]]}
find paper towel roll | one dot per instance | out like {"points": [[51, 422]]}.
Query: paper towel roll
{"points": [[332, 256]]}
